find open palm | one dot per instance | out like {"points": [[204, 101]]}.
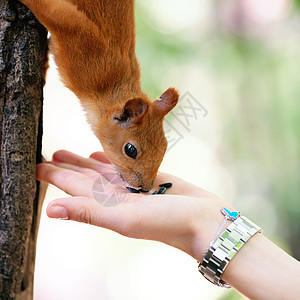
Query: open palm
{"points": [[182, 217]]}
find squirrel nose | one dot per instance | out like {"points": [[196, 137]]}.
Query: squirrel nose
{"points": [[148, 186]]}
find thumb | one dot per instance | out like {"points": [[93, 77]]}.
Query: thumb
{"points": [[80, 209]]}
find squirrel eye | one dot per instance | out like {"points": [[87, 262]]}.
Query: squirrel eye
{"points": [[130, 150]]}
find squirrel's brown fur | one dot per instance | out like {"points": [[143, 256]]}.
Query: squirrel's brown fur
{"points": [[93, 43]]}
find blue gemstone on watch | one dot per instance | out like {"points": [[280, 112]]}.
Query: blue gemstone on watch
{"points": [[233, 215]]}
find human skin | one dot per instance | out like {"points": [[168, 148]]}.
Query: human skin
{"points": [[186, 217]]}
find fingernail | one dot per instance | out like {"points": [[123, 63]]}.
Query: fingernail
{"points": [[58, 212]]}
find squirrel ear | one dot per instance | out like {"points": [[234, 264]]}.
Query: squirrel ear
{"points": [[168, 101], [132, 111]]}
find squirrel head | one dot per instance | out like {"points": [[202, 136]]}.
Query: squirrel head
{"points": [[133, 139]]}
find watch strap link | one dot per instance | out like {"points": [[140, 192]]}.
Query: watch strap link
{"points": [[224, 248]]}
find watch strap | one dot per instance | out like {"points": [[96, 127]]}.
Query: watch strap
{"points": [[224, 248]]}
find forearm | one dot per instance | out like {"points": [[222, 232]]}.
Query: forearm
{"points": [[261, 270]]}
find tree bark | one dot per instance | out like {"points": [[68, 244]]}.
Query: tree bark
{"points": [[23, 47]]}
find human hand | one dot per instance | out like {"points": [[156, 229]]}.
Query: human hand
{"points": [[186, 216]]}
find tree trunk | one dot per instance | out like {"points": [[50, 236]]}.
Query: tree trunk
{"points": [[23, 46]]}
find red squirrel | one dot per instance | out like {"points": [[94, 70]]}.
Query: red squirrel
{"points": [[93, 43]]}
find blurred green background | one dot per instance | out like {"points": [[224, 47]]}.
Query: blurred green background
{"points": [[249, 54], [250, 51]]}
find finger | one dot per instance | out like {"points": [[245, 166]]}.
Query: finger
{"points": [[111, 176], [74, 159], [71, 182], [100, 156], [81, 209], [107, 170], [88, 172], [87, 210]]}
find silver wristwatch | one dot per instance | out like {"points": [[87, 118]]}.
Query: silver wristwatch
{"points": [[223, 249]]}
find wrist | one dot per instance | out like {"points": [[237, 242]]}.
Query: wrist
{"points": [[225, 246], [206, 227]]}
